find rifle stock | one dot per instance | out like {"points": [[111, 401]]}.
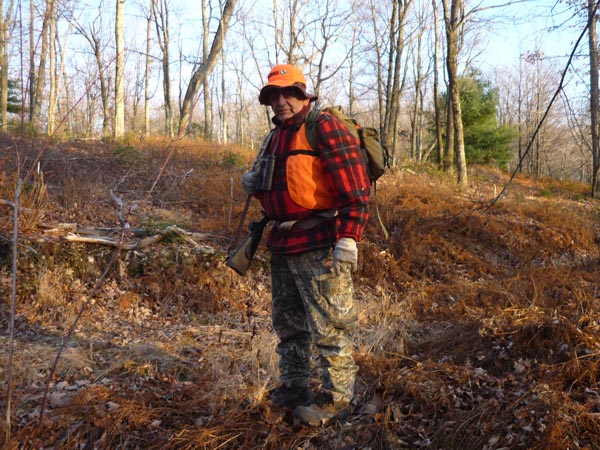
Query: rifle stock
{"points": [[242, 256]]}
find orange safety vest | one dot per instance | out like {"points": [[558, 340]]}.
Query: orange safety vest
{"points": [[307, 184]]}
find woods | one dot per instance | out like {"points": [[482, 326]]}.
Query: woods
{"points": [[156, 67], [126, 126]]}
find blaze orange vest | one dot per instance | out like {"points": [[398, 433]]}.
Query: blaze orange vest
{"points": [[307, 184]]}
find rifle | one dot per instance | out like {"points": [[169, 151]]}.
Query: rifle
{"points": [[240, 258]]}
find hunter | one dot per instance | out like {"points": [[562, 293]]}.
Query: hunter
{"points": [[318, 201]]}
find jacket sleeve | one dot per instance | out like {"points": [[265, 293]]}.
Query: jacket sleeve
{"points": [[345, 168]]}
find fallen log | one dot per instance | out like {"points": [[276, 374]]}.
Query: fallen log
{"points": [[131, 244]]}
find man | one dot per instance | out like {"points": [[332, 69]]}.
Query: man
{"points": [[318, 200]]}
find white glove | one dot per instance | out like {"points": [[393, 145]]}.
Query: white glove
{"points": [[249, 181], [345, 256]]}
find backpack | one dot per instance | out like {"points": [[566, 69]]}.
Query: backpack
{"points": [[376, 155]]}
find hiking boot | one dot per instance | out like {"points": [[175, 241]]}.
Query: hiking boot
{"points": [[322, 411], [290, 397]]}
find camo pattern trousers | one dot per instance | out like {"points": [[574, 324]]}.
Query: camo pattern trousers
{"points": [[312, 308]]}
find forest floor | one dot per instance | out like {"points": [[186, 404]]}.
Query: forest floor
{"points": [[479, 324]]}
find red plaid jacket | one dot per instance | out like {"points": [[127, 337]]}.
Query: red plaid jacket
{"points": [[344, 170]]}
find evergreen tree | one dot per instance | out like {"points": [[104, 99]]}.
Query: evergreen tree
{"points": [[486, 141], [15, 104]]}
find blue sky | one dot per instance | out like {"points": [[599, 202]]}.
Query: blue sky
{"points": [[546, 25]]}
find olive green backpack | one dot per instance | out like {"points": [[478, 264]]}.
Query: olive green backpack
{"points": [[376, 155]]}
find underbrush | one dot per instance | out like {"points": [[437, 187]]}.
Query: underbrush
{"points": [[478, 327]]}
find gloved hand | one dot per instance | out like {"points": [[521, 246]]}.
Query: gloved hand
{"points": [[345, 256], [249, 182]]}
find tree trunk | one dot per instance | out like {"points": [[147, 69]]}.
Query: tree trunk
{"points": [[52, 69], [379, 81], [119, 72], [41, 73], [417, 111], [436, 88], [4, 38], [224, 121], [449, 153], [32, 74], [395, 84], [593, 47], [161, 21], [201, 73], [207, 135], [147, 73], [452, 19]]}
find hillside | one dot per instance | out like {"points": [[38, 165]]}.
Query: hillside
{"points": [[479, 325]]}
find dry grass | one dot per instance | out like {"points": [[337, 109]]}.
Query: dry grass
{"points": [[478, 327]]}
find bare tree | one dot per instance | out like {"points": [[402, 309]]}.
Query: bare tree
{"points": [[379, 64], [204, 70], [147, 66], [52, 69], [436, 85], [420, 75], [328, 29], [453, 17], [205, 86], [594, 93], [92, 34], [5, 31], [40, 77], [119, 129], [396, 79], [160, 12]]}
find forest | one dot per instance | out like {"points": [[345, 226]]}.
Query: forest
{"points": [[125, 129], [527, 71]]}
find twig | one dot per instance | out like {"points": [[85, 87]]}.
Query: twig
{"points": [[121, 213], [7, 203], [13, 300], [546, 112]]}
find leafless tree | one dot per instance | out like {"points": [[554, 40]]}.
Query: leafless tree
{"points": [[396, 80], [6, 27], [91, 32], [205, 85], [52, 69], [147, 68], [453, 18], [40, 76], [594, 92], [203, 71], [160, 12], [420, 74], [436, 86], [119, 128]]}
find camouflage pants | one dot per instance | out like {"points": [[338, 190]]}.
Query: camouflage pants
{"points": [[313, 308]]}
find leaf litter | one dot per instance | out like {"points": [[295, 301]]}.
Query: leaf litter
{"points": [[478, 327]]}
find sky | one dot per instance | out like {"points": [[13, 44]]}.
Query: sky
{"points": [[543, 24]]}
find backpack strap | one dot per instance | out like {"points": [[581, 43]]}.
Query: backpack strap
{"points": [[386, 233], [311, 135], [310, 122]]}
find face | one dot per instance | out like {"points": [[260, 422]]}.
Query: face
{"points": [[287, 102]]}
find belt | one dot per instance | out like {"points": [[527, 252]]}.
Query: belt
{"points": [[308, 223]]}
